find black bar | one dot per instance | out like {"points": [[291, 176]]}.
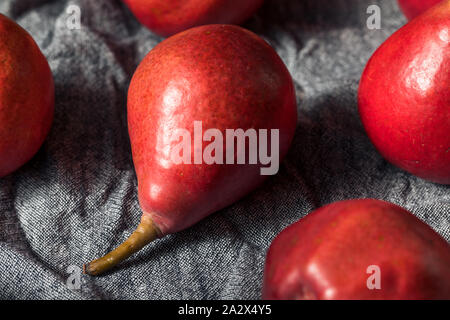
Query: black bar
{"points": [[248, 309]]}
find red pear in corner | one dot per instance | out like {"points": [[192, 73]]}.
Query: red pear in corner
{"points": [[26, 97], [413, 8], [404, 96], [167, 17], [358, 249], [223, 77]]}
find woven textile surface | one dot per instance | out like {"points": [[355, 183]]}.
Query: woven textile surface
{"points": [[77, 198]]}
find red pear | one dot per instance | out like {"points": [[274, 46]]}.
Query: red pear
{"points": [[412, 8], [224, 77], [358, 249], [26, 96], [167, 17], [404, 97]]}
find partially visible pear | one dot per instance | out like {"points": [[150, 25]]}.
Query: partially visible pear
{"points": [[404, 96], [413, 8], [26, 96], [358, 250], [167, 17]]}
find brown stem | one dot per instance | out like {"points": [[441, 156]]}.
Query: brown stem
{"points": [[145, 233]]}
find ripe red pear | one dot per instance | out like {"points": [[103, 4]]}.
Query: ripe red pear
{"points": [[413, 8], [404, 96], [26, 97], [337, 251], [167, 17], [227, 78]]}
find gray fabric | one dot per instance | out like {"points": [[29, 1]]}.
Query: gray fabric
{"points": [[77, 198]]}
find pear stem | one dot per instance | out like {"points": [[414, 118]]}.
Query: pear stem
{"points": [[145, 233]]}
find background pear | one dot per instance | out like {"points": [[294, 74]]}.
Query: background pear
{"points": [[404, 96], [167, 17], [26, 96], [358, 249], [413, 8]]}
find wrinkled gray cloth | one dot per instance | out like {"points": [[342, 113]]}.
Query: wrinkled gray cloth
{"points": [[77, 198]]}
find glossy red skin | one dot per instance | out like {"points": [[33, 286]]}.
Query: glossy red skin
{"points": [[413, 8], [226, 77], [26, 97], [167, 17], [404, 97], [326, 254]]}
